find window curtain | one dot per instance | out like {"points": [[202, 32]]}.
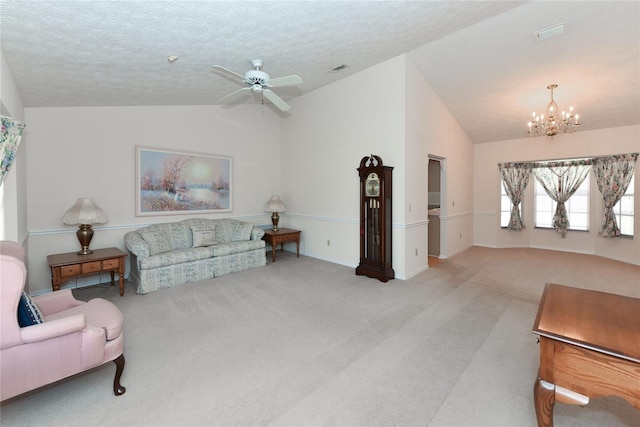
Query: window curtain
{"points": [[560, 181], [516, 178], [613, 175], [11, 135]]}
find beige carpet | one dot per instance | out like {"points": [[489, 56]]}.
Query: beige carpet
{"points": [[304, 342]]}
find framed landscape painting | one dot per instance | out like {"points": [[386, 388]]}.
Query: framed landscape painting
{"points": [[176, 182]]}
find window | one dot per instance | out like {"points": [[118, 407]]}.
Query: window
{"points": [[624, 211], [556, 176], [577, 208], [505, 206]]}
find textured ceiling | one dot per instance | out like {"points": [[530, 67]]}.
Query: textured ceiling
{"points": [[480, 57]]}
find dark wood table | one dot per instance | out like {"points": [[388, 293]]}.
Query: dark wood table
{"points": [[282, 236], [589, 347], [67, 265]]}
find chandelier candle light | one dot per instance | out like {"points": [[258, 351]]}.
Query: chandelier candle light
{"points": [[550, 123], [84, 212], [275, 205]]}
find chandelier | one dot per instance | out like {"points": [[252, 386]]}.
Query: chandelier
{"points": [[550, 123]]}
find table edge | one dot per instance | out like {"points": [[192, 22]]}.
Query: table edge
{"points": [[583, 344]]}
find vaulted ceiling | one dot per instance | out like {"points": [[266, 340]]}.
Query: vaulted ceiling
{"points": [[482, 58]]}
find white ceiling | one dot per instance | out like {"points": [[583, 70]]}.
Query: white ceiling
{"points": [[481, 57]]}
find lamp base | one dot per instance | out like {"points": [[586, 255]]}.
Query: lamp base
{"points": [[85, 234], [274, 220]]}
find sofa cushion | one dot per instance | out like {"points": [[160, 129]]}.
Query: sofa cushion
{"points": [[257, 233], [237, 247], [157, 239], [179, 235], [241, 231], [177, 256], [224, 229], [203, 235], [28, 312]]}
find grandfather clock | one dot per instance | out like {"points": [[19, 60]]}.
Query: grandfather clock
{"points": [[375, 219]]}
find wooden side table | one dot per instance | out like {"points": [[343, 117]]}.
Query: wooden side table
{"points": [[589, 347], [282, 236], [64, 266]]}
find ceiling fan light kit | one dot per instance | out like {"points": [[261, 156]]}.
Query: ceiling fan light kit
{"points": [[258, 81], [550, 123]]}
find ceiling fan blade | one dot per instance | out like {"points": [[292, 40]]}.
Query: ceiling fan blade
{"points": [[235, 93], [285, 81], [229, 73], [276, 100]]}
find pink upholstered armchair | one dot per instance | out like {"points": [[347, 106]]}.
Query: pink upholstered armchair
{"points": [[68, 336]]}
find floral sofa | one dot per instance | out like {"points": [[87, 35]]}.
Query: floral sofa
{"points": [[171, 254]]}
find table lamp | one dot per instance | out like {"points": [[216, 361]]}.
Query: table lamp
{"points": [[275, 205], [84, 212]]}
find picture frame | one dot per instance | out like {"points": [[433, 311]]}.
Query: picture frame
{"points": [[180, 182]]}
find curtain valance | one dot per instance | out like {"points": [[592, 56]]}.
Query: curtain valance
{"points": [[546, 164], [570, 162]]}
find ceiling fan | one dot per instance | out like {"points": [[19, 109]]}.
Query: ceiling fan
{"points": [[259, 82]]}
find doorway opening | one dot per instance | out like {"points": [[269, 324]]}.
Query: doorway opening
{"points": [[435, 205]]}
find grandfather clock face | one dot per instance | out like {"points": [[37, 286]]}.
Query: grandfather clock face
{"points": [[372, 185], [375, 219]]}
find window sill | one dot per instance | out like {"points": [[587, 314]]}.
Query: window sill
{"points": [[551, 228]]}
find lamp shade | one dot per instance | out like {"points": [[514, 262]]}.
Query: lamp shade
{"points": [[275, 205], [84, 211]]}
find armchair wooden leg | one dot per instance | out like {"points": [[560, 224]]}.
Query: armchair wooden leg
{"points": [[118, 389]]}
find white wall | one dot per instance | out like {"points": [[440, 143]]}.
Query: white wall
{"points": [[90, 152], [331, 129], [432, 130], [487, 231]]}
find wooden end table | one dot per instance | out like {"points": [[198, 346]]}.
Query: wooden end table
{"points": [[282, 236], [67, 265], [589, 347]]}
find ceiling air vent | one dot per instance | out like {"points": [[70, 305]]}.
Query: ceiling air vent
{"points": [[338, 68], [550, 32]]}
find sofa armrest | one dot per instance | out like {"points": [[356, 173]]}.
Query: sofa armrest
{"points": [[257, 233], [52, 329], [136, 244], [55, 302]]}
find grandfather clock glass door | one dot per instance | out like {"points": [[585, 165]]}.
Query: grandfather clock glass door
{"points": [[375, 219]]}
